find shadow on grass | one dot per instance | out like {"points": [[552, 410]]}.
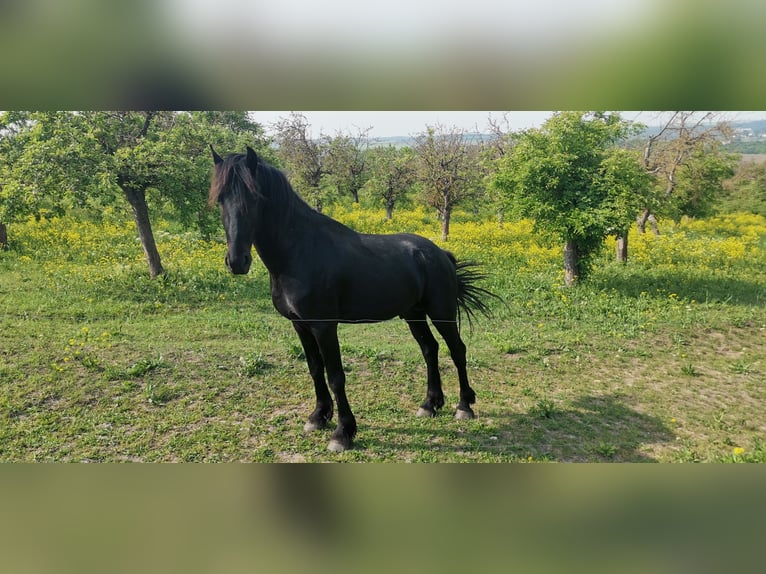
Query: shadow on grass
{"points": [[702, 287], [592, 429]]}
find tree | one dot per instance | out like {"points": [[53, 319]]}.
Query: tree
{"points": [[347, 162], [303, 157], [628, 185], [492, 150], [573, 180], [187, 143], [392, 173], [36, 149], [700, 183], [89, 159], [683, 140], [746, 191], [446, 170], [12, 206]]}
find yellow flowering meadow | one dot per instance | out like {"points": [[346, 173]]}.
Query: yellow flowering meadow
{"points": [[722, 242], [509, 243], [725, 243]]}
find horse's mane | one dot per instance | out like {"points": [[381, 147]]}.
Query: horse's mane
{"points": [[234, 177]]}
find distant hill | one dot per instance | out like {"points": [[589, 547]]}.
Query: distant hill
{"points": [[750, 138], [758, 126], [404, 141], [395, 141]]}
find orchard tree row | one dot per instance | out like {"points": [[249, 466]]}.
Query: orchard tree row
{"points": [[581, 176]]}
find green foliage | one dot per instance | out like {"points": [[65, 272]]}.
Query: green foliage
{"points": [[49, 164], [758, 147], [53, 162], [573, 180], [746, 191], [144, 366], [346, 163], [689, 370], [543, 408], [392, 175], [158, 161], [700, 184], [254, 365], [304, 159]]}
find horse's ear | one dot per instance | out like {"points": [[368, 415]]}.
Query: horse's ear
{"points": [[252, 158], [216, 158]]}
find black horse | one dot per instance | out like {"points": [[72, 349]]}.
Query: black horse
{"points": [[323, 273]]}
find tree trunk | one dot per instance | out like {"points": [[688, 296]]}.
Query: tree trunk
{"points": [[641, 221], [622, 247], [445, 223], [3, 236], [137, 200], [389, 209], [647, 216], [317, 199], [571, 263], [653, 222]]}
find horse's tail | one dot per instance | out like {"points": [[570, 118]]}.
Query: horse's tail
{"points": [[470, 297]]}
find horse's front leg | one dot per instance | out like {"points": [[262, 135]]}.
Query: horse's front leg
{"points": [[323, 411], [326, 335]]}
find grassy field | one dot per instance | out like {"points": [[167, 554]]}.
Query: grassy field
{"points": [[658, 360]]}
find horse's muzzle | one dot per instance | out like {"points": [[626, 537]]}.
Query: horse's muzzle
{"points": [[240, 264]]}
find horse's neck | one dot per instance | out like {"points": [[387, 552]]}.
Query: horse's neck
{"points": [[280, 232]]}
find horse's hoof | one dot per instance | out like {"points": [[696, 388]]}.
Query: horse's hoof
{"points": [[425, 413], [464, 415], [337, 446], [311, 426]]}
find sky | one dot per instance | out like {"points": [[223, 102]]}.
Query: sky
{"points": [[409, 123], [402, 123]]}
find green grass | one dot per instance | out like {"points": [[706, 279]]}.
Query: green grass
{"points": [[99, 363]]}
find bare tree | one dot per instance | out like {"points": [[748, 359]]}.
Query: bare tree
{"points": [[303, 156], [665, 153], [446, 169], [492, 151], [501, 137], [347, 161], [392, 173]]}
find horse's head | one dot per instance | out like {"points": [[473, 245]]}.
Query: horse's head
{"points": [[233, 189]]}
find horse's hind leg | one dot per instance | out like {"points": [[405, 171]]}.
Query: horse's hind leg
{"points": [[323, 411], [449, 330], [430, 349]]}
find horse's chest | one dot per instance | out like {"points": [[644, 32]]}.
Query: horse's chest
{"points": [[282, 301], [295, 300]]}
